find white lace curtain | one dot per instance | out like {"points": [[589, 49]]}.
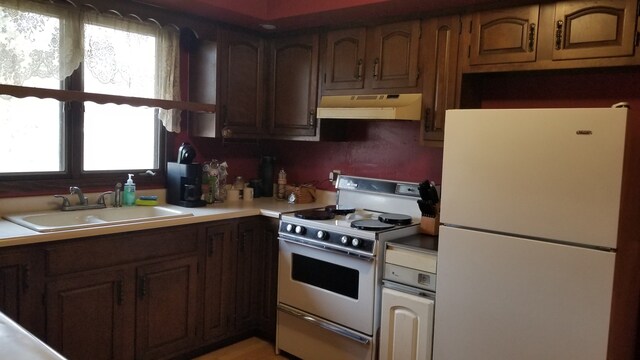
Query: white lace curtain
{"points": [[48, 41]]}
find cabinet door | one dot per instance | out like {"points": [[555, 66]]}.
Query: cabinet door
{"points": [[594, 29], [21, 288], [248, 274], [218, 295], [441, 53], [166, 307], [406, 326], [269, 282], [293, 95], [86, 316], [344, 60], [241, 91], [393, 61], [504, 36]]}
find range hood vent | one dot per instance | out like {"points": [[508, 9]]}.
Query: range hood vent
{"points": [[371, 107]]}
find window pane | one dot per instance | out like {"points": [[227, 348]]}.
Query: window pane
{"points": [[119, 137], [31, 136], [30, 129]]}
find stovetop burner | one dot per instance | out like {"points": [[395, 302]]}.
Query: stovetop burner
{"points": [[317, 214], [395, 219], [370, 225], [340, 209]]}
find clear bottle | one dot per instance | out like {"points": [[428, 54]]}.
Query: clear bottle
{"points": [[129, 192]]}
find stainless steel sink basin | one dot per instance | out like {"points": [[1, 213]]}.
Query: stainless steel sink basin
{"points": [[67, 220]]}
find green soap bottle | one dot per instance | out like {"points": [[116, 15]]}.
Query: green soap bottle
{"points": [[129, 192]]}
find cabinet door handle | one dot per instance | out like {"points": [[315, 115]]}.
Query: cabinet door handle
{"points": [[224, 115], [532, 36], [211, 243], [559, 26], [376, 65], [312, 117], [428, 126], [143, 287], [26, 277], [120, 293], [359, 68]]}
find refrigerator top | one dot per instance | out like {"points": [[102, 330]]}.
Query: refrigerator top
{"points": [[543, 173]]}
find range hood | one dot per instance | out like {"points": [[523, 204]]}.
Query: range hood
{"points": [[371, 107]]}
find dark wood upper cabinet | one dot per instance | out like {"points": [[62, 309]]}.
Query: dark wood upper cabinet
{"points": [[594, 29], [241, 87], [345, 59], [504, 36], [394, 57], [562, 35], [441, 71], [376, 59], [293, 86]]}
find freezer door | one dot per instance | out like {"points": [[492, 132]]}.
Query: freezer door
{"points": [[547, 173], [501, 297]]}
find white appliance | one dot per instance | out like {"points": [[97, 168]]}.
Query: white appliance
{"points": [[329, 268], [530, 208], [409, 282]]}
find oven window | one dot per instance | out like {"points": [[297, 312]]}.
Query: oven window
{"points": [[335, 278]]}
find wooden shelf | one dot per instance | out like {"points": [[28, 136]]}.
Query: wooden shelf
{"points": [[73, 95]]}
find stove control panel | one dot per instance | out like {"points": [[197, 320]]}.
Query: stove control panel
{"points": [[324, 237]]}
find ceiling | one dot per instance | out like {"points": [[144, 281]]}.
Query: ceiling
{"points": [[297, 14]]}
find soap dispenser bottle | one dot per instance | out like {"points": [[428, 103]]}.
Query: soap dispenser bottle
{"points": [[129, 193]]}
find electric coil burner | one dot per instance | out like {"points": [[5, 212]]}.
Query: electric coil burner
{"points": [[330, 268]]}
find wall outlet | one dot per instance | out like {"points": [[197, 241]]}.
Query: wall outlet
{"points": [[333, 176]]}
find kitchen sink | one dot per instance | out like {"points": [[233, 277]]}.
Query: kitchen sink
{"points": [[67, 220]]}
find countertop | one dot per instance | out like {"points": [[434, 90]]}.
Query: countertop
{"points": [[12, 234], [17, 343]]}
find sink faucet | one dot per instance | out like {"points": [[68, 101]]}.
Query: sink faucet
{"points": [[83, 203], [76, 190]]}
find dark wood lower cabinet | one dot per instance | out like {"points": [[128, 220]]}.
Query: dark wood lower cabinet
{"points": [[154, 294], [166, 307], [86, 316]]}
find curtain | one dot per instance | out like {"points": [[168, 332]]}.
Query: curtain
{"points": [[40, 40]]}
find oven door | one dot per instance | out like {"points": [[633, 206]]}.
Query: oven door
{"points": [[328, 284]]}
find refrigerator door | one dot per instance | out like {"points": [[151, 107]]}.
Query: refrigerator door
{"points": [[547, 173], [502, 297]]}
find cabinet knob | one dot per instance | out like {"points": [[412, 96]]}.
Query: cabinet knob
{"points": [[227, 133], [559, 26]]}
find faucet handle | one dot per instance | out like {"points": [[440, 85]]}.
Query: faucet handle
{"points": [[65, 200], [101, 198]]}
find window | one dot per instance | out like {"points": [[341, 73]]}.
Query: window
{"points": [[59, 47]]}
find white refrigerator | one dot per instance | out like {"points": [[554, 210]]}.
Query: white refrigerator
{"points": [[529, 213]]}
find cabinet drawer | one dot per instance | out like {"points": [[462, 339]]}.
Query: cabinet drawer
{"points": [[111, 250]]}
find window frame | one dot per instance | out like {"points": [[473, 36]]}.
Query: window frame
{"points": [[73, 174]]}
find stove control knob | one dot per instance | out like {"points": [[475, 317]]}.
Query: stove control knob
{"points": [[344, 240], [290, 228], [300, 230], [356, 242], [322, 235]]}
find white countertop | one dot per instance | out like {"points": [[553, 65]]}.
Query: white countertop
{"points": [[17, 343], [12, 234]]}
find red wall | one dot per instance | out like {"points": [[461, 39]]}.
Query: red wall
{"points": [[380, 149]]}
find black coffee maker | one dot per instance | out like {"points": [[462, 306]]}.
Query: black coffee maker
{"points": [[184, 179]]}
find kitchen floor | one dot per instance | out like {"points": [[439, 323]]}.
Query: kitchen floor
{"points": [[252, 348]]}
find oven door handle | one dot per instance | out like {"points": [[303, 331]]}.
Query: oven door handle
{"points": [[335, 251], [325, 324]]}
